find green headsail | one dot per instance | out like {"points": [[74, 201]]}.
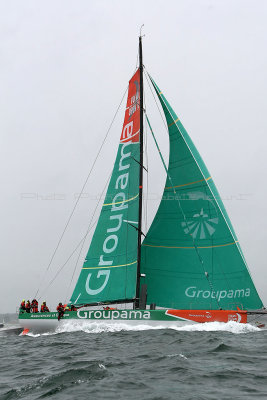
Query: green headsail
{"points": [[109, 271], [191, 257]]}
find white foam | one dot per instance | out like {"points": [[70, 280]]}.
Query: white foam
{"points": [[178, 355], [30, 334], [231, 326], [100, 327]]}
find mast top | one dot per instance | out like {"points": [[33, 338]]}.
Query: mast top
{"points": [[140, 32]]}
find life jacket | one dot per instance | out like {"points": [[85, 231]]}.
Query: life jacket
{"points": [[22, 304], [60, 308]]}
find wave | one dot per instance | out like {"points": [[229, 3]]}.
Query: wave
{"points": [[101, 327], [9, 329], [59, 381]]}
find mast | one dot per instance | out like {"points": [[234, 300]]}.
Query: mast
{"points": [[140, 176]]}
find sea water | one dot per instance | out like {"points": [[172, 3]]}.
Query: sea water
{"points": [[204, 361]]}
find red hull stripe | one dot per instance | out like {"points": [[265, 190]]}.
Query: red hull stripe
{"points": [[210, 315]]}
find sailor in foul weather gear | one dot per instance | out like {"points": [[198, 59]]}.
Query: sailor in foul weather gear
{"points": [[22, 306], [44, 307], [34, 306], [60, 310], [28, 306]]}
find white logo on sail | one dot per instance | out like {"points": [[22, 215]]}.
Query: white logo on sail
{"points": [[118, 205], [193, 291], [201, 226], [96, 291]]}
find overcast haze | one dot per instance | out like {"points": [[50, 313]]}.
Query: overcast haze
{"points": [[64, 67]]}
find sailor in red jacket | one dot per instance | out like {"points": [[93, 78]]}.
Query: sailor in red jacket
{"points": [[44, 307], [22, 306], [34, 306], [60, 310], [28, 306]]}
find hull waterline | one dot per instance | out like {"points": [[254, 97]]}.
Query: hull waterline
{"points": [[48, 322]]}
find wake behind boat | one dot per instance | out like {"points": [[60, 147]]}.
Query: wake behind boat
{"points": [[189, 268]]}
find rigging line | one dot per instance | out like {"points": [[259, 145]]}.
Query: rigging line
{"points": [[137, 61], [159, 110], [88, 229], [76, 248], [80, 194], [182, 211]]}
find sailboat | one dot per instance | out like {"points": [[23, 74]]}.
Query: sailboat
{"points": [[188, 267]]}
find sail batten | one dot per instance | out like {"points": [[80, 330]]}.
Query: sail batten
{"points": [[192, 237]]}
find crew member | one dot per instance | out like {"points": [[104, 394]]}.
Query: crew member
{"points": [[22, 306], [60, 310], [73, 308], [44, 307], [34, 306], [28, 306]]}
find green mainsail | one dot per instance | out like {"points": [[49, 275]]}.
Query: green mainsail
{"points": [[110, 267], [191, 257]]}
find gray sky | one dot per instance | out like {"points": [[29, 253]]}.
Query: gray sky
{"points": [[64, 66]]}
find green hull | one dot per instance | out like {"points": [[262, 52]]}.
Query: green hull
{"points": [[104, 315], [44, 322]]}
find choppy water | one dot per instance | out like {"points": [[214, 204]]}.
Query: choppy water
{"points": [[209, 361]]}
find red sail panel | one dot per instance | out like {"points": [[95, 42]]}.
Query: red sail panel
{"points": [[131, 125]]}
